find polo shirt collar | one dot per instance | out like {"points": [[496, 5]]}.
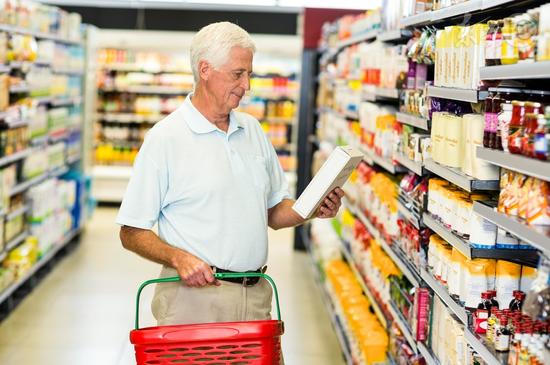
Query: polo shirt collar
{"points": [[200, 125]]}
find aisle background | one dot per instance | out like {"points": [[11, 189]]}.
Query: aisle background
{"points": [[83, 310]]}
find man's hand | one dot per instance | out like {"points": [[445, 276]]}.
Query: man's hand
{"points": [[331, 204], [193, 271]]}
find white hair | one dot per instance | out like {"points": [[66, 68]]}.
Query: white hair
{"points": [[214, 42]]}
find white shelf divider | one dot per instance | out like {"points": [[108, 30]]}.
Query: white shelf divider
{"points": [[460, 179], [519, 71], [415, 167], [470, 96]]}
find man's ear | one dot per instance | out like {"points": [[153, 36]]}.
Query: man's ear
{"points": [[205, 70]]}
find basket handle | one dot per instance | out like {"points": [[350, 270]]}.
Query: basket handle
{"points": [[220, 276]]}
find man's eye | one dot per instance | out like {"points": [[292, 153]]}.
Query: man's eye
{"points": [[237, 75]]}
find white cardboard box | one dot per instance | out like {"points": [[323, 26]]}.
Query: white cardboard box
{"points": [[334, 173]]}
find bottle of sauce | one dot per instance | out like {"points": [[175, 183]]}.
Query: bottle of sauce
{"points": [[530, 122], [493, 127], [491, 323], [516, 127], [490, 43], [504, 119], [510, 53], [517, 303], [502, 339], [494, 303], [498, 42], [482, 313], [488, 121]]}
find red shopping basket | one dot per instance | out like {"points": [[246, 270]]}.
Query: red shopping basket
{"points": [[227, 343]]}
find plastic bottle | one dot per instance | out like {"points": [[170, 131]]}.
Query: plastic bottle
{"points": [[502, 335], [490, 43], [510, 53], [493, 127], [516, 127], [482, 313], [488, 121]]}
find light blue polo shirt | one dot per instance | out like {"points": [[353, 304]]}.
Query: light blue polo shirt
{"points": [[208, 190]]}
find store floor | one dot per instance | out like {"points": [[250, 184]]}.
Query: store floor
{"points": [[82, 311]]}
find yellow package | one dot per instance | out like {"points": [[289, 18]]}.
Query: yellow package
{"points": [[480, 277], [508, 277], [528, 275], [538, 205]]}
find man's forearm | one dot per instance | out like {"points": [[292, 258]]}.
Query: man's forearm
{"points": [[282, 215], [147, 244]]}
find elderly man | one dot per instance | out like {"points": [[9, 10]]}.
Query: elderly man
{"points": [[211, 179]]}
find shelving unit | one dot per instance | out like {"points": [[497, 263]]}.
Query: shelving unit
{"points": [[527, 257], [12, 29], [405, 212], [329, 306], [365, 36], [443, 294], [460, 179], [413, 120], [537, 236], [373, 301], [148, 89], [414, 166], [403, 326], [519, 71], [396, 35], [484, 349], [518, 163], [470, 96], [16, 241]]}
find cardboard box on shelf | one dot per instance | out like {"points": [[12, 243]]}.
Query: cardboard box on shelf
{"points": [[334, 173]]}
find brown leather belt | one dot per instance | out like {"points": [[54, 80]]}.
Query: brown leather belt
{"points": [[244, 281]]}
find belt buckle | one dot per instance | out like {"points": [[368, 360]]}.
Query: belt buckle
{"points": [[249, 281]]}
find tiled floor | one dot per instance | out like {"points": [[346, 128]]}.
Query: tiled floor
{"points": [[82, 312]]}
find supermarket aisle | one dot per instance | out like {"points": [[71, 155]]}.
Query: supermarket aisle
{"points": [[82, 312]]}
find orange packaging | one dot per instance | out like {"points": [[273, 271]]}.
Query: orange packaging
{"points": [[523, 198], [511, 203], [538, 208], [506, 179]]}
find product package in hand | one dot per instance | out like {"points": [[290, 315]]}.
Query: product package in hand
{"points": [[334, 173]]}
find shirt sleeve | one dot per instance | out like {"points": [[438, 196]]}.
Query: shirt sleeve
{"points": [[278, 184], [147, 188]]}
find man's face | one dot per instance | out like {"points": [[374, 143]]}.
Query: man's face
{"points": [[228, 83]]}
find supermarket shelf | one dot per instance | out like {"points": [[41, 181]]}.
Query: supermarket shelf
{"points": [[58, 136], [538, 236], [460, 179], [327, 301], [5, 68], [19, 89], [11, 29], [281, 120], [372, 299], [137, 68], [16, 241], [400, 262], [19, 188], [519, 71], [409, 216], [365, 36], [524, 165], [486, 352], [16, 213], [465, 8], [146, 89], [59, 171], [70, 100], [15, 157], [443, 294], [429, 357], [403, 326], [68, 71], [527, 257], [395, 35], [130, 117], [415, 167], [413, 120], [43, 261], [385, 163], [471, 96], [387, 93], [417, 19], [73, 159]]}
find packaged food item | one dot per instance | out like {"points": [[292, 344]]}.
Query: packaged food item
{"points": [[541, 145], [483, 233], [528, 276], [516, 127], [453, 138], [506, 178], [538, 206], [504, 119], [502, 335], [513, 195], [524, 197], [480, 277], [509, 42], [482, 313], [508, 277]]}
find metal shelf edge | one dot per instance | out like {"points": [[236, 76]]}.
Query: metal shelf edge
{"points": [[412, 120], [456, 242], [471, 96], [443, 294], [533, 70], [415, 167], [403, 326], [480, 348], [519, 163], [16, 241]]}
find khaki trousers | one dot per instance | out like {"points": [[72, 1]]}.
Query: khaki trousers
{"points": [[175, 303]]}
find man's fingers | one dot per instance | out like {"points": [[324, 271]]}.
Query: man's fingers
{"points": [[329, 203], [339, 192]]}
